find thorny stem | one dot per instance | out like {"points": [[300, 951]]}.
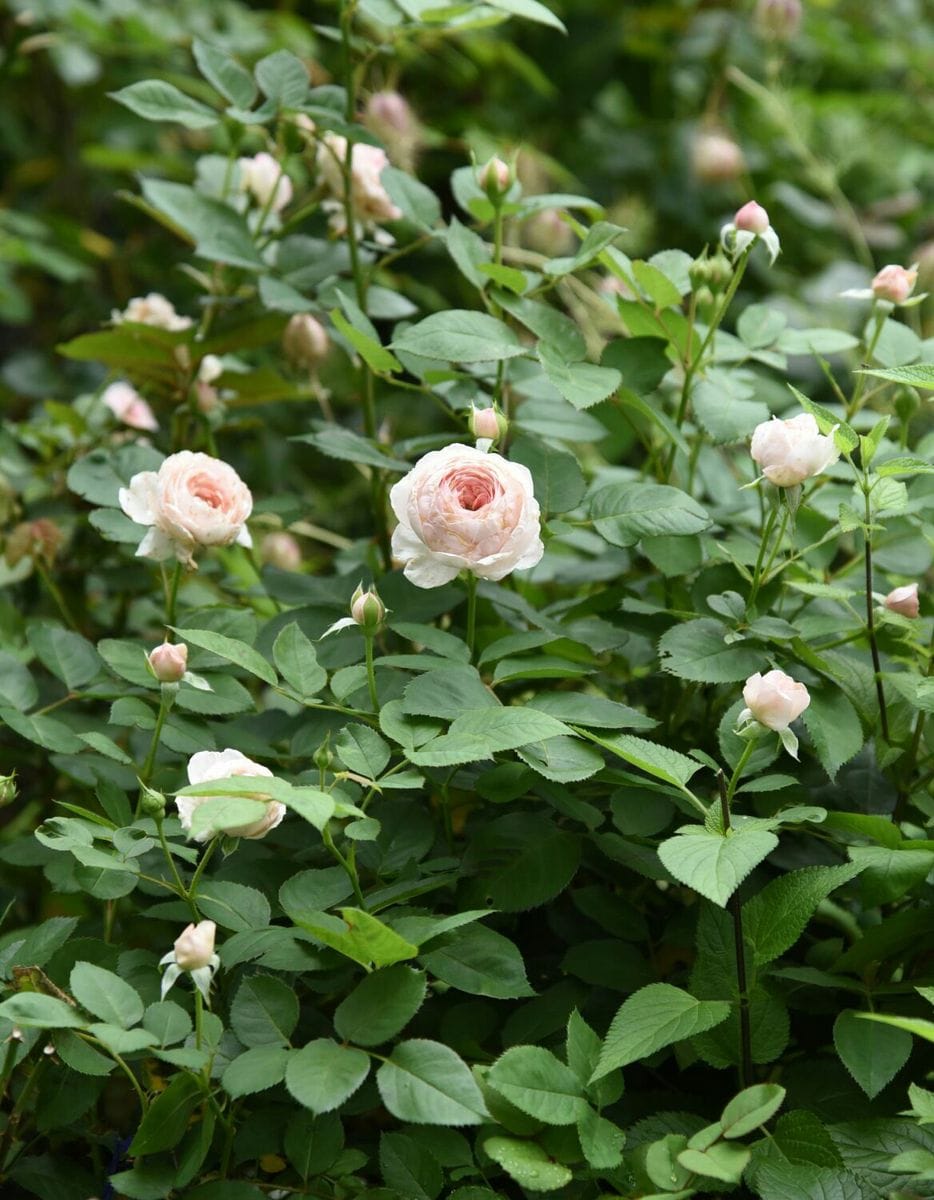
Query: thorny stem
{"points": [[735, 909], [871, 624]]}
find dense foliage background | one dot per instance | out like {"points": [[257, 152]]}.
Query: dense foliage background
{"points": [[537, 918]]}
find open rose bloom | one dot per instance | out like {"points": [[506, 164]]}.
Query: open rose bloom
{"points": [[154, 310], [128, 406], [192, 500], [208, 765], [774, 700], [463, 509], [369, 200], [788, 452]]}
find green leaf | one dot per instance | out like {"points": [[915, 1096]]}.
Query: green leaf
{"points": [[724, 416], [558, 480], [233, 905], [259, 1068], [230, 649], [846, 437], [362, 750], [460, 335], [873, 1053], [919, 375], [656, 1016], [532, 10], [625, 512], [715, 864], [481, 962], [380, 1006], [79, 1056], [264, 1011], [723, 1161], [167, 1021], [528, 1164], [776, 917], [217, 232], [322, 1075], [641, 361], [601, 1141], [905, 465], [656, 285], [697, 650], [360, 936], [344, 444], [447, 692], [427, 1083], [580, 383], [165, 1121], [37, 1011], [376, 356], [105, 995], [156, 100], [834, 727], [759, 326], [297, 661], [889, 873], [655, 759], [67, 655], [751, 1108], [537, 1083], [224, 74], [418, 203], [17, 686], [282, 78], [598, 237]]}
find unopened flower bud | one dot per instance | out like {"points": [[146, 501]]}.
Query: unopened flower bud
{"points": [[904, 601], [194, 946], [716, 158], [280, 549], [894, 283], [151, 802], [169, 662], [778, 19], [323, 757], [305, 341], [8, 789], [388, 111], [548, 234], [367, 609], [488, 423], [752, 218], [495, 178], [774, 700]]}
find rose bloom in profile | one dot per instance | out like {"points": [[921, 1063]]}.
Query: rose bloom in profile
{"points": [[153, 310], [262, 176], [904, 601], [369, 199], [894, 283], [192, 500], [774, 700], [789, 452], [208, 765], [128, 406], [463, 509]]}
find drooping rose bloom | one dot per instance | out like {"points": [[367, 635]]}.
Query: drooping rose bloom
{"points": [[208, 765], [153, 310], [791, 451], [369, 200], [262, 176], [774, 700], [904, 600], [192, 500], [128, 406], [462, 509]]}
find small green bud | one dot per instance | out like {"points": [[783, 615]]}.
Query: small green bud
{"points": [[152, 803], [367, 609], [322, 756], [8, 789]]}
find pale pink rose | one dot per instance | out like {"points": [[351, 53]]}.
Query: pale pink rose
{"points": [[904, 600], [752, 218], [462, 509], [208, 765], [388, 111], [305, 341], [280, 549], [487, 423], [194, 946], [779, 19], [368, 198], [192, 500], [548, 234], [169, 661], [774, 700], [791, 451], [716, 158], [894, 283], [496, 176], [128, 406], [153, 310], [262, 176]]}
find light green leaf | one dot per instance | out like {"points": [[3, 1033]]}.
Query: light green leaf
{"points": [[751, 1108], [581, 383], [656, 1016], [460, 335], [427, 1083], [322, 1075], [625, 512], [539, 1084], [156, 100], [872, 1053], [105, 995], [231, 649], [697, 650], [380, 1006], [297, 661], [256, 1070], [715, 864], [528, 1164]]}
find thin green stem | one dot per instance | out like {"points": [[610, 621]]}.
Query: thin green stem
{"points": [[786, 512], [763, 546], [371, 671], [170, 859], [165, 705], [199, 1019], [171, 600], [911, 756], [348, 867], [9, 1061], [735, 908], [192, 891], [471, 613], [871, 622], [736, 776], [56, 593]]}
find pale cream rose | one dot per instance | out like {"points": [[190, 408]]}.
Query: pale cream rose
{"points": [[791, 451], [462, 509], [774, 700], [262, 176], [904, 600], [153, 310], [169, 662], [894, 283], [128, 406], [208, 765], [194, 946], [368, 198], [192, 500]]}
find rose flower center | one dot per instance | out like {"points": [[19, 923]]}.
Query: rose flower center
{"points": [[207, 490], [474, 489]]}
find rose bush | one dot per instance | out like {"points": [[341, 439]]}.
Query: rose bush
{"points": [[545, 815]]}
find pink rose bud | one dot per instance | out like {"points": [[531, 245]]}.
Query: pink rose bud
{"points": [[752, 218], [716, 158], [194, 946], [390, 111], [548, 234], [903, 600], [775, 699], [305, 341], [488, 423], [894, 283], [128, 406], [495, 178], [169, 662], [367, 609], [281, 550], [780, 19]]}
